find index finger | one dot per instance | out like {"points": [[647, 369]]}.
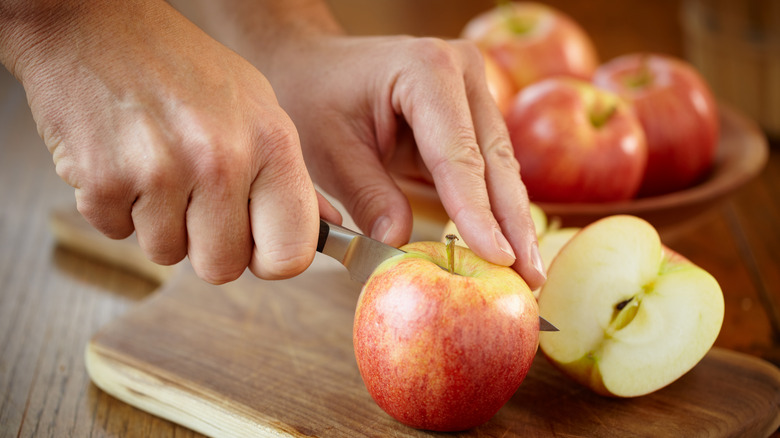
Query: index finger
{"points": [[507, 193], [433, 99]]}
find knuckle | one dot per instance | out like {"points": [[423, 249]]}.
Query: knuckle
{"points": [[500, 153], [466, 156], [216, 164], [364, 199], [278, 137], [469, 51], [436, 53], [97, 214]]}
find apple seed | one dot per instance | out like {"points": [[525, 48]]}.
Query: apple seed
{"points": [[622, 304], [625, 311]]}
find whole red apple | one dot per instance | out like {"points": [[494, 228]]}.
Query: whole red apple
{"points": [[677, 111], [441, 350], [576, 143], [531, 41]]}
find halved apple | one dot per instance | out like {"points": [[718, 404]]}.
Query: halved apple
{"points": [[633, 315]]}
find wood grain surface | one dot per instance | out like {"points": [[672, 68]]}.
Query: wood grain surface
{"points": [[260, 358], [53, 300]]}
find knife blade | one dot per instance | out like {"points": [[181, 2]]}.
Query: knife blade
{"points": [[361, 254], [358, 253]]}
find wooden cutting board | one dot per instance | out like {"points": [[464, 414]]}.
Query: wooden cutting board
{"points": [[258, 358]]}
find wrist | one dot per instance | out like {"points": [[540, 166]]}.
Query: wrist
{"points": [[39, 37], [266, 32], [29, 30]]}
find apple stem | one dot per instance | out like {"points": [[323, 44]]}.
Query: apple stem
{"points": [[451, 239], [518, 25], [643, 78], [600, 118]]}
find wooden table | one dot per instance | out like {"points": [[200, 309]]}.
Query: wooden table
{"points": [[53, 300]]}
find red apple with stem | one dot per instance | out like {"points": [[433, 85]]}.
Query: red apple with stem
{"points": [[531, 41], [678, 114], [576, 143], [443, 338]]}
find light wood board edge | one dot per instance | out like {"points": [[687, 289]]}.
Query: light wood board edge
{"points": [[165, 399], [72, 231]]}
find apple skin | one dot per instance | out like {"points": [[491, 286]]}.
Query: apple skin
{"points": [[678, 113], [576, 143], [440, 351], [500, 85], [532, 41], [633, 315]]}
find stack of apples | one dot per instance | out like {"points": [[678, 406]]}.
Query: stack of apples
{"points": [[639, 125]]}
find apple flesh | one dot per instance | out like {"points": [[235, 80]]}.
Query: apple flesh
{"points": [[633, 315], [679, 116], [576, 143], [444, 351], [532, 41]]}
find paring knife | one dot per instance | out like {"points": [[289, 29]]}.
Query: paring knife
{"points": [[361, 255]]}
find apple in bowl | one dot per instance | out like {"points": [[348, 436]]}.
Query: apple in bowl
{"points": [[633, 315], [532, 41], [678, 113], [443, 338], [576, 143]]}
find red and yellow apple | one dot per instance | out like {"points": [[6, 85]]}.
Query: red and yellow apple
{"points": [[633, 315], [576, 143], [532, 41], [500, 86], [441, 350], [678, 113]]}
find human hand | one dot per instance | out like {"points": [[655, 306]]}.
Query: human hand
{"points": [[162, 130], [367, 106]]}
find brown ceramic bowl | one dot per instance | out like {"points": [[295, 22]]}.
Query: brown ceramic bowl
{"points": [[742, 154]]}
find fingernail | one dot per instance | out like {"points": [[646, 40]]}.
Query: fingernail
{"points": [[382, 228], [536, 260], [503, 244]]}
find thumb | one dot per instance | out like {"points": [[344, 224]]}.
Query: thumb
{"points": [[283, 211]]}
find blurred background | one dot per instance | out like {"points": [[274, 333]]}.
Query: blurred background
{"points": [[734, 44]]}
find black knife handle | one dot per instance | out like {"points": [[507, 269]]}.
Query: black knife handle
{"points": [[324, 231]]}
